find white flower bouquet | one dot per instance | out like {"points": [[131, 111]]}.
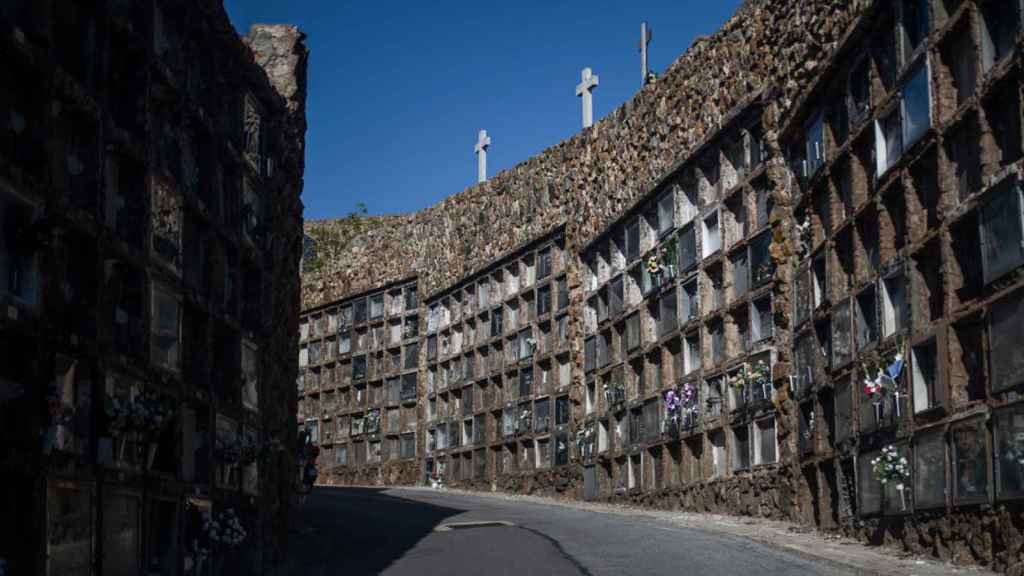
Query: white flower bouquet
{"points": [[890, 467]]}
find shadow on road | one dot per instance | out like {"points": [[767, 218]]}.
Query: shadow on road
{"points": [[356, 531]]}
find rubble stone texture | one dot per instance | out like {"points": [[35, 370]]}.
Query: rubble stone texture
{"points": [[589, 179], [903, 251]]}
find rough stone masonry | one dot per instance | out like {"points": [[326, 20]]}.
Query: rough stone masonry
{"points": [[817, 195]]}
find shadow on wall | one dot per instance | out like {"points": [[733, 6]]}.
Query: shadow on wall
{"points": [[357, 531]]}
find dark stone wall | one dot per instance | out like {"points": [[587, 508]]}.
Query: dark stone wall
{"points": [[125, 140]]}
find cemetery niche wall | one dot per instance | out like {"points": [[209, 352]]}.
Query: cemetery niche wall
{"points": [[792, 287], [149, 287]]}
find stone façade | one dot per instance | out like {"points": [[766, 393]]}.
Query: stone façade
{"points": [[786, 61]]}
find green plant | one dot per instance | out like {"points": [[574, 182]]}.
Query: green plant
{"points": [[332, 237]]}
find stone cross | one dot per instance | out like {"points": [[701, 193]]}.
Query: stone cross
{"points": [[645, 39], [483, 142], [584, 89]]}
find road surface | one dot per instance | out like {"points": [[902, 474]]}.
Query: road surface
{"points": [[404, 532]]}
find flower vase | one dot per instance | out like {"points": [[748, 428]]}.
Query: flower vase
{"points": [[766, 389], [122, 445], [151, 449], [879, 410], [903, 498], [897, 409]]}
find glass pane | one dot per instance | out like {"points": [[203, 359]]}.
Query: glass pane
{"points": [[411, 298], [562, 410], [762, 267], [544, 300], [869, 489], [916, 107], [70, 526], [859, 90], [867, 331], [525, 381], [544, 264], [924, 376], [667, 318], [691, 300], [803, 357], [1005, 335], [590, 354], [717, 343], [167, 313], [615, 296], [740, 448], [895, 309], [763, 206], [970, 464], [360, 311], [766, 436], [815, 145], [120, 535], [843, 411], [893, 138], [915, 23], [896, 500], [842, 348], [712, 239], [1009, 446], [687, 247], [740, 274], [633, 240], [666, 213], [762, 320], [1001, 234], [930, 470], [162, 529], [542, 415], [872, 413]]}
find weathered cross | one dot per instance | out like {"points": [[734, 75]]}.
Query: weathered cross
{"points": [[584, 89], [483, 141], [645, 39]]}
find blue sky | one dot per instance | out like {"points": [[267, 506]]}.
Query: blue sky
{"points": [[398, 91]]}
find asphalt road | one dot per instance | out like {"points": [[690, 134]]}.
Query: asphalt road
{"points": [[357, 531]]}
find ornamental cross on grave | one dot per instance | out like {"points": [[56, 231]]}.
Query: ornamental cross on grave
{"points": [[483, 142], [585, 88]]}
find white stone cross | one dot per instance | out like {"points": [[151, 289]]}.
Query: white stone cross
{"points": [[584, 89], [483, 141], [645, 39]]}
